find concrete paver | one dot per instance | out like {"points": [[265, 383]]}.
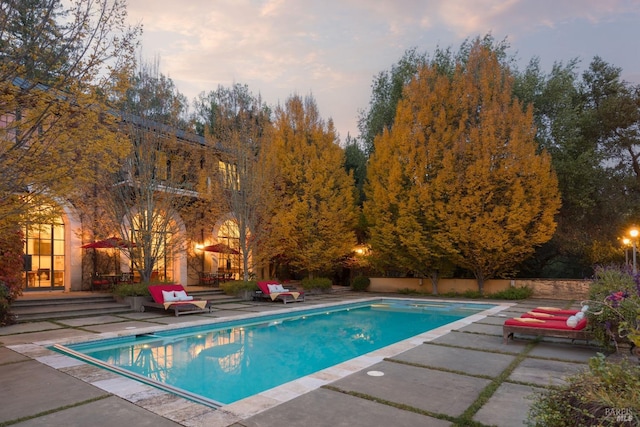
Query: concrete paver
{"points": [[22, 328], [426, 389], [328, 408], [481, 328], [544, 372], [563, 350], [112, 327], [473, 362], [481, 342], [508, 406], [32, 388], [143, 315], [492, 320], [10, 356], [92, 320], [111, 411], [58, 334]]}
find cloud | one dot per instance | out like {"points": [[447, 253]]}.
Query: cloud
{"points": [[514, 17], [334, 48]]}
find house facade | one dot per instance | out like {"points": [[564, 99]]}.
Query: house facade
{"points": [[62, 255]]}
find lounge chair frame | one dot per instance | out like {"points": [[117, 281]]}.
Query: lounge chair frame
{"points": [[509, 330]]}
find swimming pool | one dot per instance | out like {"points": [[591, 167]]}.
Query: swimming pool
{"points": [[225, 362]]}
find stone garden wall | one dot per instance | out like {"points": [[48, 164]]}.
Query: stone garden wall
{"points": [[562, 289]]}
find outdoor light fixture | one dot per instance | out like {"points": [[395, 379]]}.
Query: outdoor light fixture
{"points": [[361, 250], [626, 242], [633, 232]]}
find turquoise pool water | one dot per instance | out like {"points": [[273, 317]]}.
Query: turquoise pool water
{"points": [[226, 362]]}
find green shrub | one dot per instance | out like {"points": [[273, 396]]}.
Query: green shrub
{"points": [[236, 287], [508, 294], [6, 316], [320, 283], [608, 394], [450, 294], [471, 294], [131, 290], [360, 283], [407, 291], [513, 293]]}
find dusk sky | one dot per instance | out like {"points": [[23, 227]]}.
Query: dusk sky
{"points": [[333, 49]]}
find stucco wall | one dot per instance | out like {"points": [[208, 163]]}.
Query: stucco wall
{"points": [[542, 288]]}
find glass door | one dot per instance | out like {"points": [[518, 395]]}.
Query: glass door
{"points": [[44, 256], [229, 261]]}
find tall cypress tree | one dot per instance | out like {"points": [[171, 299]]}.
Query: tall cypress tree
{"points": [[467, 179], [312, 221]]}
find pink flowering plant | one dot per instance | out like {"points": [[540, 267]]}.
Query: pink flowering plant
{"points": [[614, 306]]}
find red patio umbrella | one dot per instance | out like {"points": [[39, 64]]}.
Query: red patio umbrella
{"points": [[220, 248], [110, 243]]}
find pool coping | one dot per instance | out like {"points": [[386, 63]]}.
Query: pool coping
{"points": [[155, 400]]}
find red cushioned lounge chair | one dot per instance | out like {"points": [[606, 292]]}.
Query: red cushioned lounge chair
{"points": [[548, 328], [556, 311], [174, 297], [274, 291], [545, 316]]}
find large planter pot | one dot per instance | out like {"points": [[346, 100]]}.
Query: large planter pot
{"points": [[135, 302], [245, 295]]}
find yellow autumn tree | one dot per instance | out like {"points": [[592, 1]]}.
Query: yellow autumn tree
{"points": [[476, 189], [311, 221], [60, 66], [399, 172]]}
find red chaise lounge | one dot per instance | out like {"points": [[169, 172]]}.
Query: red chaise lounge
{"points": [[545, 316], [174, 297], [555, 311], [274, 291], [543, 327]]}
